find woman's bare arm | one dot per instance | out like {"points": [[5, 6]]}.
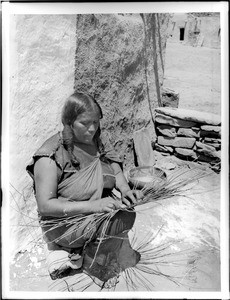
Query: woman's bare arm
{"points": [[46, 183], [123, 186], [121, 182]]}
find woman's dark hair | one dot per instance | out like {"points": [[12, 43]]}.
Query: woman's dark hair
{"points": [[75, 105]]}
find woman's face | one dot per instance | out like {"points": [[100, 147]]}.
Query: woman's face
{"points": [[85, 127]]}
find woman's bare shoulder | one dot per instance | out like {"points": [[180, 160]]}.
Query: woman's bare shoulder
{"points": [[45, 164]]}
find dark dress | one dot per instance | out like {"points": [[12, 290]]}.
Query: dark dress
{"points": [[91, 237]]}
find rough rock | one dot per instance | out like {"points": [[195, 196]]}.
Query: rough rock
{"points": [[170, 149], [207, 150], [165, 154], [169, 166], [169, 98], [204, 146], [189, 132], [165, 149], [210, 134], [164, 119], [167, 130], [178, 142], [217, 146], [190, 115], [211, 131], [185, 153], [212, 140], [160, 148], [206, 158], [216, 129]]}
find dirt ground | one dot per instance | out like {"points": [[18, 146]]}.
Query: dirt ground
{"points": [[194, 73], [191, 222]]}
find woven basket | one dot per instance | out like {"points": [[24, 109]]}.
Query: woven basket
{"points": [[141, 176]]}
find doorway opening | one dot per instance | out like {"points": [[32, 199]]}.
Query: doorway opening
{"points": [[181, 34]]}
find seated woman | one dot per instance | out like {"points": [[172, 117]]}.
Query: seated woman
{"points": [[73, 175]]}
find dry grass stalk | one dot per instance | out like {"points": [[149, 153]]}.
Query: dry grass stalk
{"points": [[177, 184]]}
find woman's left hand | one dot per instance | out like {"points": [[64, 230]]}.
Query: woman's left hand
{"points": [[131, 196]]}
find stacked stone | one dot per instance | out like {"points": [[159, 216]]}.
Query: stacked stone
{"points": [[188, 134]]}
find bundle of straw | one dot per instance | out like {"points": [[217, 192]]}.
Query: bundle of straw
{"points": [[79, 224], [154, 259], [177, 183], [146, 273]]}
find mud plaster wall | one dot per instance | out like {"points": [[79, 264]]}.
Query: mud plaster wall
{"points": [[110, 65], [42, 49], [178, 21]]}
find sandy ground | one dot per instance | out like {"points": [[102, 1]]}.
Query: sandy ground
{"points": [[194, 73], [191, 223]]}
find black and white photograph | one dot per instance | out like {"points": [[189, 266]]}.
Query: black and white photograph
{"points": [[115, 150]]}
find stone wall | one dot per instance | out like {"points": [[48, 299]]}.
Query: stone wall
{"points": [[189, 135], [42, 50]]}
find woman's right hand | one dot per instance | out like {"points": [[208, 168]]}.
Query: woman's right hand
{"points": [[106, 204]]}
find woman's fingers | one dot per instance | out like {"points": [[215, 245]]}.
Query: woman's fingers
{"points": [[139, 194], [128, 197], [132, 196], [112, 205], [108, 210], [126, 201], [116, 204]]}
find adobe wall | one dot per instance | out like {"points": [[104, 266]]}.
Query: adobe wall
{"points": [[42, 50], [178, 21], [208, 28], [189, 135], [199, 30]]}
